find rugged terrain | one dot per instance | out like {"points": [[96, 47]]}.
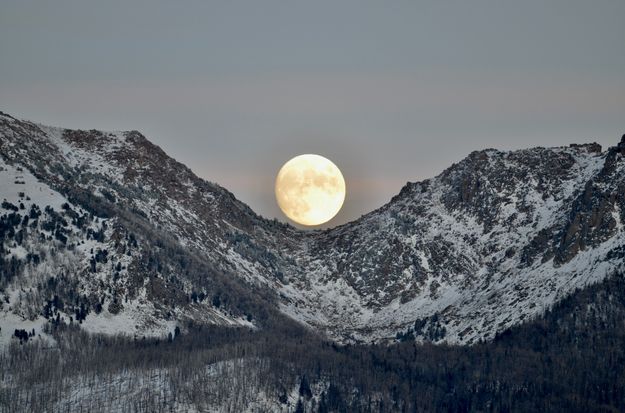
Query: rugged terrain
{"points": [[105, 230]]}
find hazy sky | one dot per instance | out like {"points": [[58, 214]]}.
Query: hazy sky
{"points": [[390, 91]]}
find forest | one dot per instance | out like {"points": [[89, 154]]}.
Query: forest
{"points": [[571, 359]]}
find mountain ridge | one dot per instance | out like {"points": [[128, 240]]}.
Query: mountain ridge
{"points": [[511, 230]]}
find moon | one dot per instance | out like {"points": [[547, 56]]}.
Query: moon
{"points": [[310, 189]]}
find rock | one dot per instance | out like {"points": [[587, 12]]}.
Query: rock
{"points": [[593, 147], [621, 145]]}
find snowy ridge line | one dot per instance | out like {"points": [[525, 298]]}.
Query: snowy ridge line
{"points": [[491, 242]]}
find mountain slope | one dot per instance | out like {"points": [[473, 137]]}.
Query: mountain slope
{"points": [[87, 253], [492, 241]]}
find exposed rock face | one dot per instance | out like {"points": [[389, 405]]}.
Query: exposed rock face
{"points": [[491, 241]]}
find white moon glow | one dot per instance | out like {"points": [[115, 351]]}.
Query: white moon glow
{"points": [[310, 189]]}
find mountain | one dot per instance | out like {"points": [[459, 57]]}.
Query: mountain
{"points": [[105, 230]]}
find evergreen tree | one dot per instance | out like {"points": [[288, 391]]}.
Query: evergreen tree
{"points": [[304, 388]]}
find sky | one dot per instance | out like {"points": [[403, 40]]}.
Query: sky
{"points": [[391, 91]]}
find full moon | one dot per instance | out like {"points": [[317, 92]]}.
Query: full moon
{"points": [[310, 189]]}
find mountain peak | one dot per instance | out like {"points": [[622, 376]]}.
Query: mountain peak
{"points": [[493, 240]]}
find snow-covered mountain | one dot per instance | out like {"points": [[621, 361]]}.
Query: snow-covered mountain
{"points": [[123, 238]]}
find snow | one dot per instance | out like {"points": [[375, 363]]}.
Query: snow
{"points": [[10, 322], [92, 161], [473, 299], [450, 260], [11, 178], [206, 389]]}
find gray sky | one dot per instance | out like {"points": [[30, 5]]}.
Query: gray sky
{"points": [[390, 91]]}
